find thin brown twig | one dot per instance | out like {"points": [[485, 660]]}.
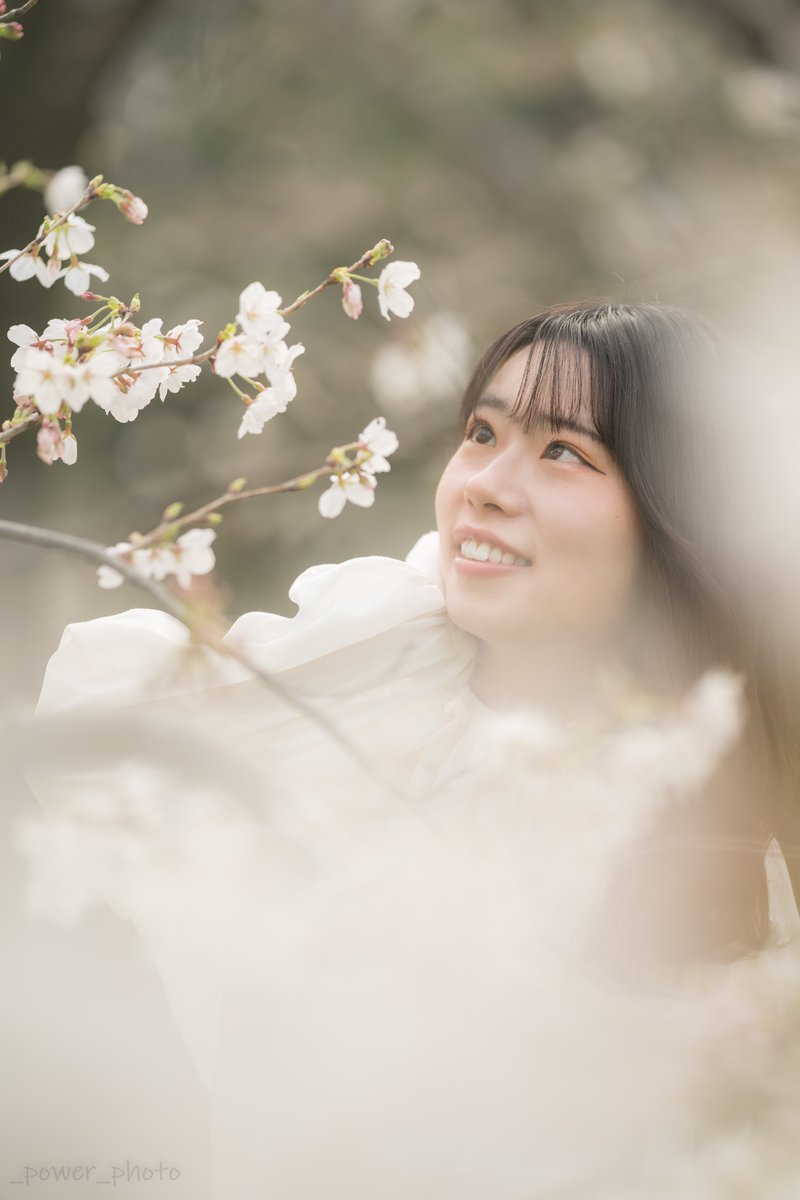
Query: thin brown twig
{"points": [[331, 279], [297, 484], [94, 552], [9, 431], [133, 369], [19, 12], [23, 174]]}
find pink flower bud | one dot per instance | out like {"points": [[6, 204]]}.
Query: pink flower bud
{"points": [[69, 449], [133, 208], [351, 299], [89, 296], [48, 442], [12, 31], [3, 7]]}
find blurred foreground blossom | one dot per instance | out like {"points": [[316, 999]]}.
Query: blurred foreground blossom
{"points": [[439, 963], [190, 555], [65, 189], [765, 98], [429, 369]]}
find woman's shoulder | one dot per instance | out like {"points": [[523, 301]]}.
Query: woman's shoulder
{"points": [[340, 604]]}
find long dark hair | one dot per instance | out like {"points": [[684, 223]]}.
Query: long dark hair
{"points": [[657, 379]]}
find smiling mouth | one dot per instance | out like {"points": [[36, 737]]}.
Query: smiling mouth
{"points": [[486, 553]]}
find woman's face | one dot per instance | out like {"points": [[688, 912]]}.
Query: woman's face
{"points": [[553, 499]]}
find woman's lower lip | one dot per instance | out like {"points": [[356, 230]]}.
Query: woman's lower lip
{"points": [[470, 566]]}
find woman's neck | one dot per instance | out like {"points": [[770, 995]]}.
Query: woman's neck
{"points": [[565, 677]]}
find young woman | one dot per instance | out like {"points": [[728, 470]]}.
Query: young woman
{"points": [[597, 457], [583, 536], [385, 969]]}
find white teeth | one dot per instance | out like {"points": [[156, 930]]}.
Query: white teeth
{"points": [[484, 552]]}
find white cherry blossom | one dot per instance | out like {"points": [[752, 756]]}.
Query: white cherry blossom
{"points": [[52, 444], [43, 379], [183, 340], [71, 239], [190, 555], [22, 336], [194, 555], [125, 406], [270, 402], [278, 359], [258, 312], [176, 377], [93, 379], [145, 345], [151, 342], [107, 577], [358, 489], [77, 278], [145, 386], [30, 265], [57, 331], [156, 562], [380, 441], [22, 268], [392, 282], [239, 355]]}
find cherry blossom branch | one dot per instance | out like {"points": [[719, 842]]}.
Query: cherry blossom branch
{"points": [[297, 484], [135, 368], [18, 12], [55, 222], [10, 429], [202, 630], [381, 250], [94, 552], [22, 174], [336, 277]]}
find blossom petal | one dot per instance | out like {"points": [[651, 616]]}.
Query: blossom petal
{"points": [[332, 502]]}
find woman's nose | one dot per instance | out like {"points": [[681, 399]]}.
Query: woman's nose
{"points": [[498, 486]]}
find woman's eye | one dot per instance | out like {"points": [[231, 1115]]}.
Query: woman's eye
{"points": [[478, 428], [563, 453]]}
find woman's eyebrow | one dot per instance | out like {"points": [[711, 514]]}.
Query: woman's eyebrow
{"points": [[569, 423]]}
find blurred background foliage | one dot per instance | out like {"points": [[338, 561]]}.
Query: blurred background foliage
{"points": [[521, 151]]}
